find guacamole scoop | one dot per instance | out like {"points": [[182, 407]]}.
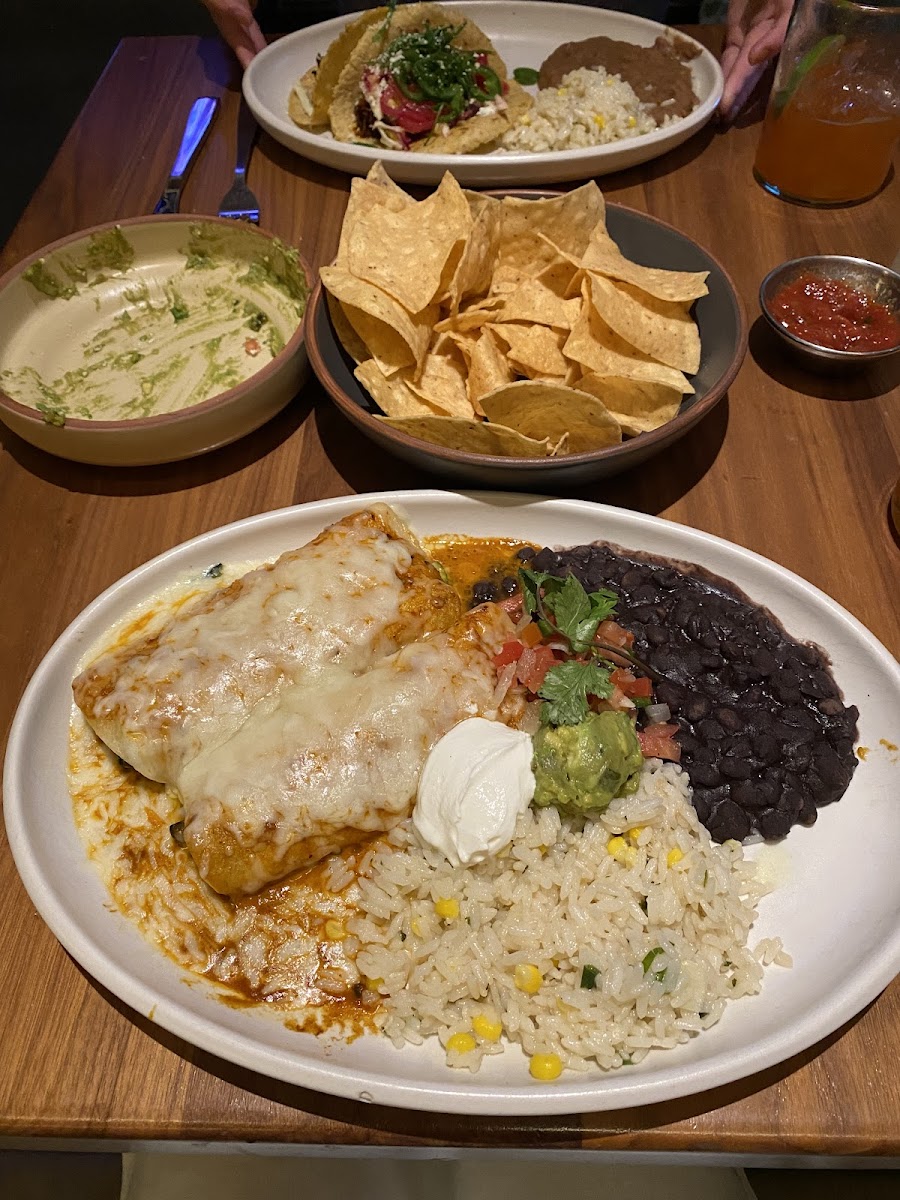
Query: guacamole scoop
{"points": [[580, 768]]}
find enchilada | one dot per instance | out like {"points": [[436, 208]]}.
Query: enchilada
{"points": [[333, 763], [355, 594]]}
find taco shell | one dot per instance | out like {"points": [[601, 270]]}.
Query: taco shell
{"points": [[466, 137], [312, 95]]}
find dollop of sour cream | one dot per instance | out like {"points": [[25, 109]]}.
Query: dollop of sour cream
{"points": [[476, 782]]}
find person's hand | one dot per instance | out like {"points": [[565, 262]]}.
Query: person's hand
{"points": [[754, 34], [234, 20]]}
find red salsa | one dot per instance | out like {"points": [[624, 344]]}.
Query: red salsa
{"points": [[831, 314]]}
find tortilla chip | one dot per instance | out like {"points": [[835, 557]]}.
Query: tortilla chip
{"points": [[442, 384], [638, 405], [475, 268], [377, 190], [474, 317], [599, 350], [534, 301], [404, 251], [528, 227], [663, 330], [392, 395], [393, 336], [346, 334], [548, 410], [476, 437], [489, 369], [533, 348], [604, 257]]}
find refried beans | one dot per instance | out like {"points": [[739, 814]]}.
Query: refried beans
{"points": [[658, 73]]}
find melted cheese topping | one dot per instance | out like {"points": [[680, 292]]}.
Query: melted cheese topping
{"points": [[349, 597], [333, 763]]}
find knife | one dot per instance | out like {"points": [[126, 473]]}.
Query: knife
{"points": [[195, 130]]}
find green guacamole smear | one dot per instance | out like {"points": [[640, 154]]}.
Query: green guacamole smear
{"points": [[158, 330], [581, 768]]}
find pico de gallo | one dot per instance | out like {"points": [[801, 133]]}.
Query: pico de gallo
{"points": [[422, 85], [569, 654]]}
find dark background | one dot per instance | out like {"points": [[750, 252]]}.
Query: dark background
{"points": [[53, 52]]}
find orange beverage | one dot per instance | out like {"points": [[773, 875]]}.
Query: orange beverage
{"points": [[834, 114]]}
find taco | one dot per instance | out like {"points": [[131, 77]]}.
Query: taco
{"points": [[311, 97], [425, 80]]}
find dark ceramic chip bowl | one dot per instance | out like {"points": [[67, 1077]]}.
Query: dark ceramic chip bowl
{"points": [[723, 344]]}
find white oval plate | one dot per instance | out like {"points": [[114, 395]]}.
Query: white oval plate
{"points": [[829, 885], [524, 35]]}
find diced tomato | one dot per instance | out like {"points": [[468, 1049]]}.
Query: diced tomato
{"points": [[657, 741], [531, 634], [411, 115], [612, 633], [632, 687], [534, 663], [513, 606], [509, 653]]}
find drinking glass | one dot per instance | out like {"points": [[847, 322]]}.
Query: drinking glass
{"points": [[834, 112]]}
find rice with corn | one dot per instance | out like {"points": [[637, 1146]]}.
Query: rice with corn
{"points": [[589, 108], [585, 942]]}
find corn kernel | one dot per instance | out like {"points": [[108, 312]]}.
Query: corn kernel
{"points": [[372, 984], [487, 1027], [599, 120], [461, 1043], [447, 910], [334, 930], [634, 834], [562, 91], [527, 978], [545, 1067], [632, 121], [526, 120], [621, 851], [542, 849], [674, 856]]}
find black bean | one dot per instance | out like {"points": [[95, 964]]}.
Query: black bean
{"points": [[766, 747], [798, 757], [484, 592], [729, 719], [709, 640], [711, 730], [704, 774], [728, 820], [546, 560], [749, 794], [808, 813], [774, 824], [645, 594], [764, 661], [696, 706], [667, 578], [711, 661], [830, 708], [656, 635], [525, 554], [734, 767], [508, 585]]}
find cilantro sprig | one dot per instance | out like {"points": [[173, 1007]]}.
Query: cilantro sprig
{"points": [[563, 609]]}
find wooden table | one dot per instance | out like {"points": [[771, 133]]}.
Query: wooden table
{"points": [[797, 467]]}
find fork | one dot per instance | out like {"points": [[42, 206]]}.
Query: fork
{"points": [[239, 202]]}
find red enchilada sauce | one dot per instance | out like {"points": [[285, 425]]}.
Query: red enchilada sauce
{"points": [[829, 313]]}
